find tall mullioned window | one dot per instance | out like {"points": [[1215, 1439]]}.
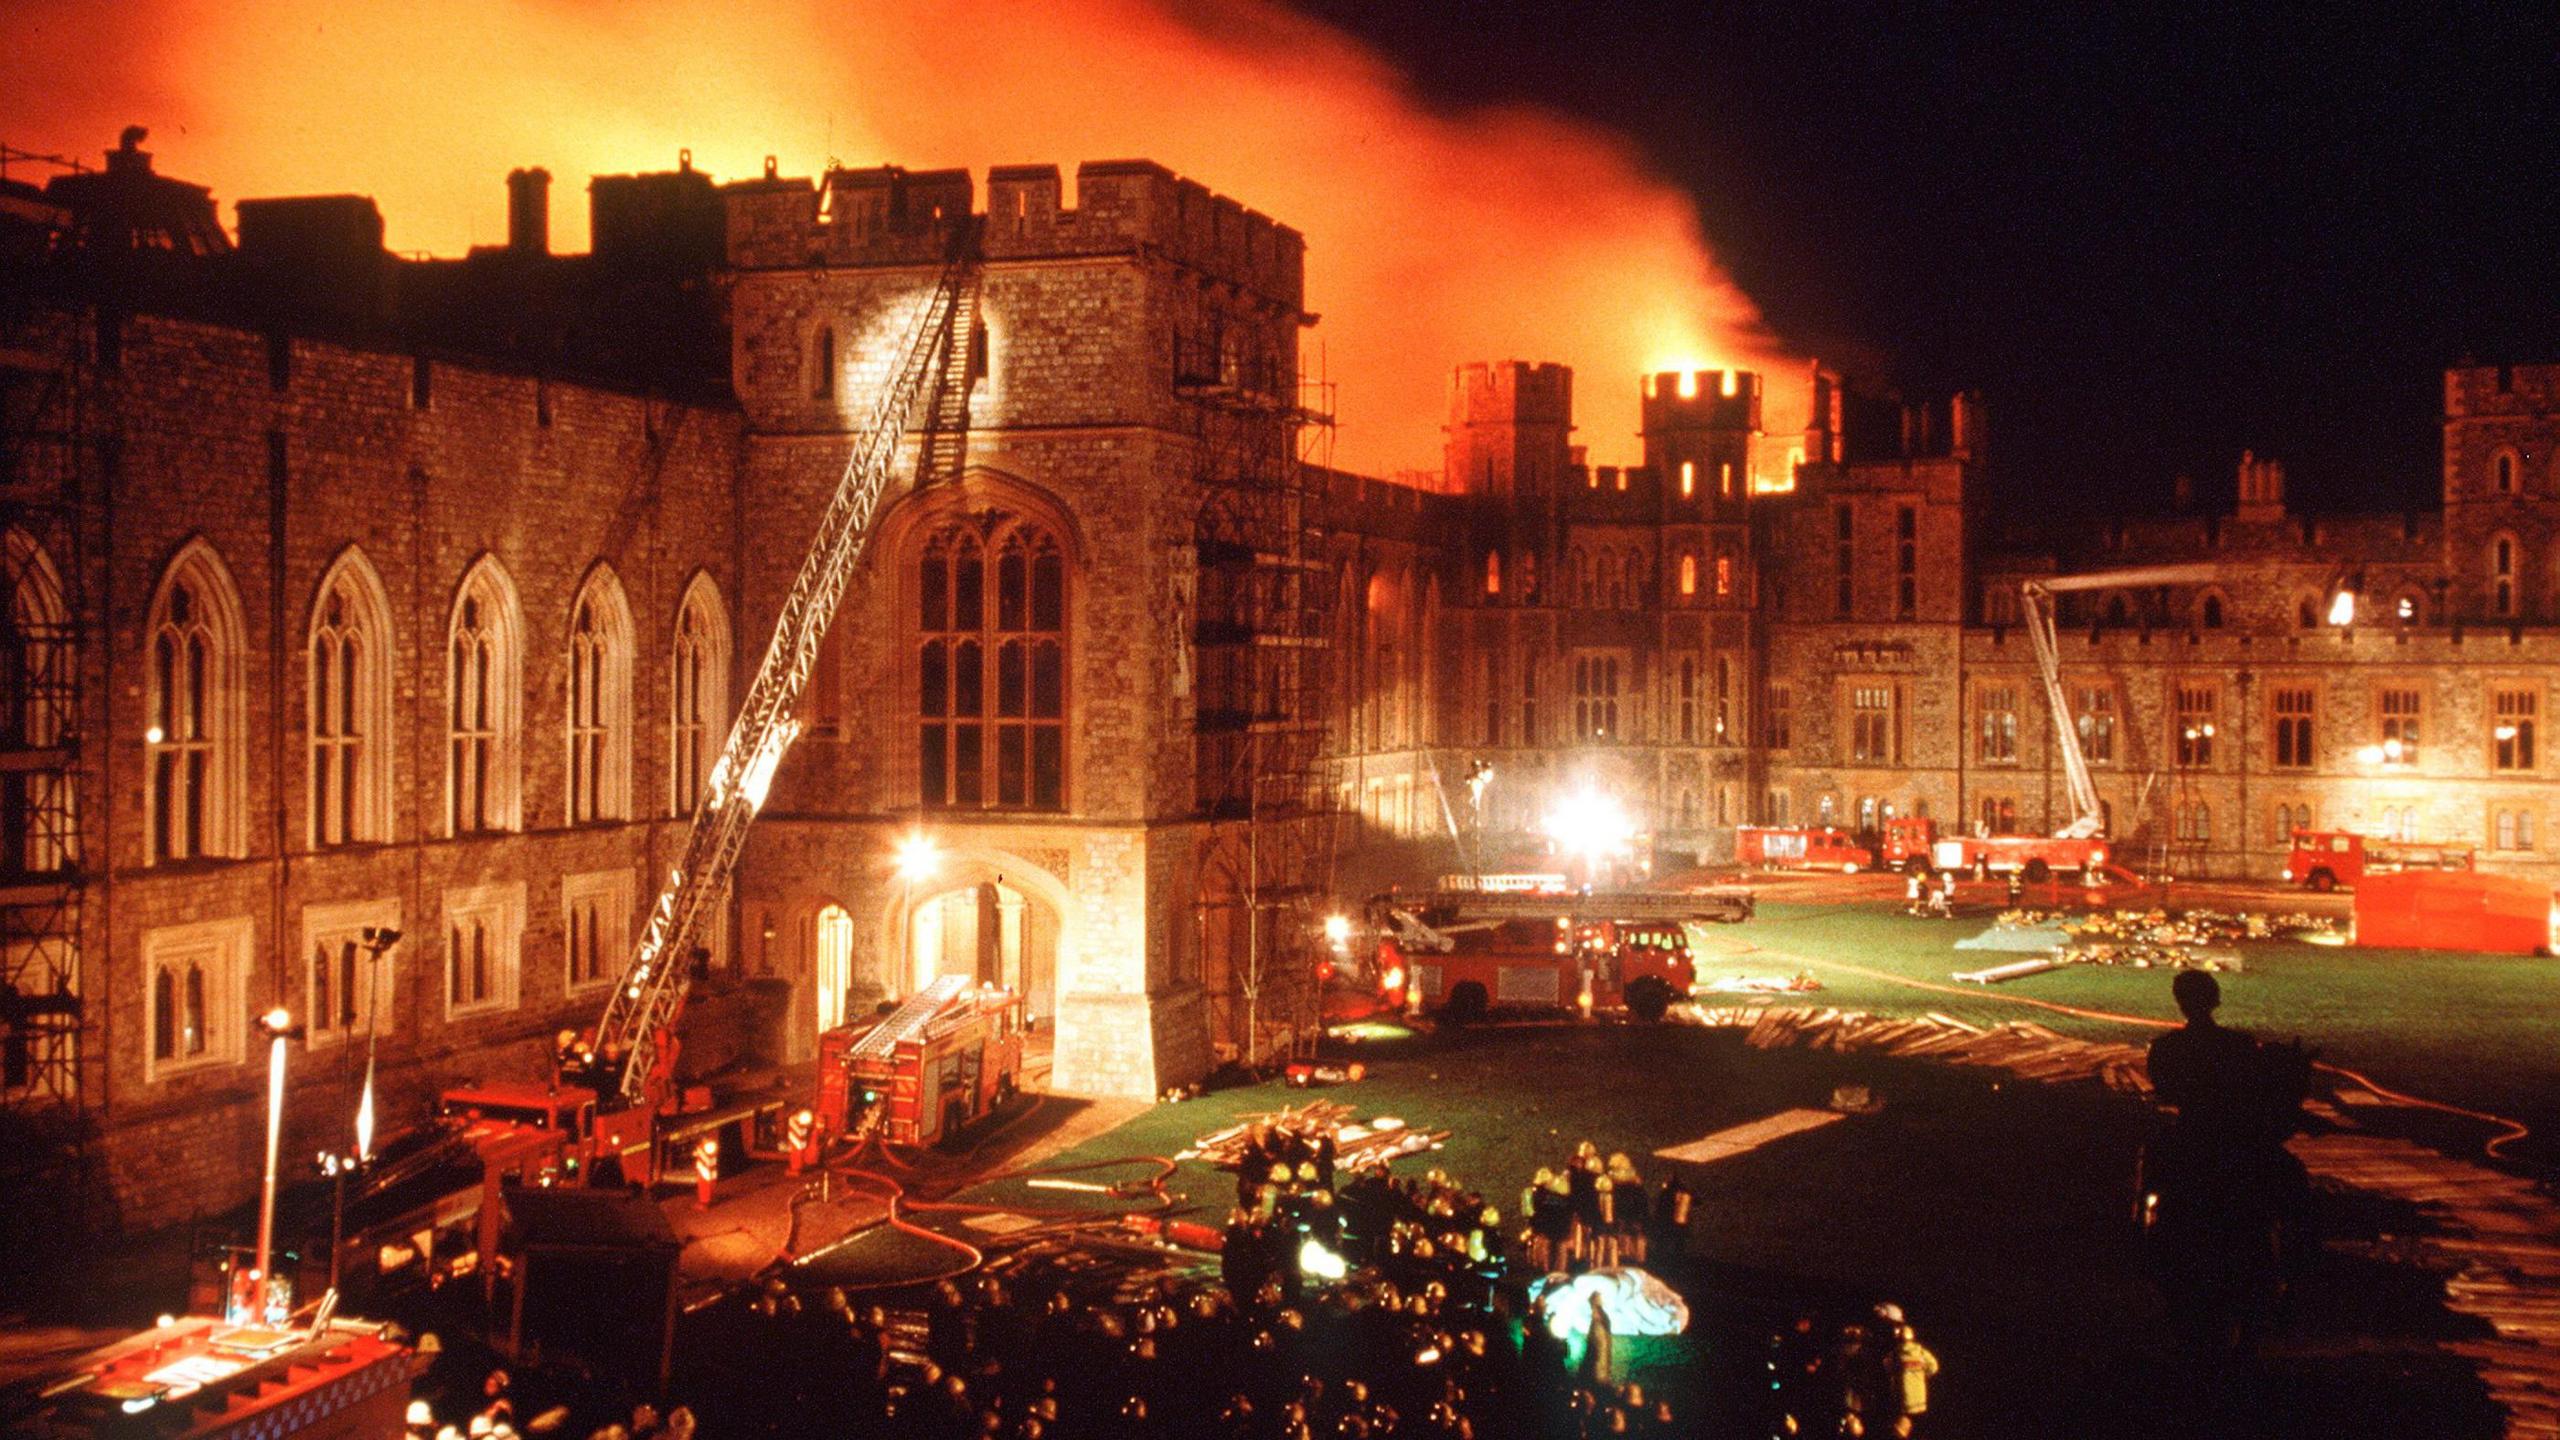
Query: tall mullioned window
{"points": [[2196, 726], [1843, 562], [1995, 739], [1906, 563], [195, 740], [2294, 706], [1595, 698], [483, 699], [2403, 711], [1875, 724], [599, 736], [991, 660], [2515, 713], [350, 707], [697, 694]]}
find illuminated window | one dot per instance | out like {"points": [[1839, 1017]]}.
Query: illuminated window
{"points": [[1688, 478], [1724, 705], [1995, 734], [483, 947], [1875, 724], [2511, 829], [1688, 574], [341, 971], [1724, 479], [595, 926], [484, 703], [196, 741], [1724, 575], [697, 693], [199, 993], [2403, 712], [2094, 713], [350, 707], [2294, 706], [2194, 718], [1595, 697], [2515, 710], [991, 667], [38, 690], [599, 702], [1493, 572]]}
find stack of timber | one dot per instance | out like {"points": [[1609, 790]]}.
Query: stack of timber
{"points": [[2500, 1236], [2023, 1049]]}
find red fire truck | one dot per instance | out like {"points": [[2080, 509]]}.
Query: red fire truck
{"points": [[1798, 847], [2034, 858], [2327, 859], [1468, 968], [949, 1055]]}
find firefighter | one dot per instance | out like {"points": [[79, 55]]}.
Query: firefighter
{"points": [[800, 1140], [706, 1169]]}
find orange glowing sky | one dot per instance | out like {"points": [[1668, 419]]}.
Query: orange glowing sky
{"points": [[1432, 239]]}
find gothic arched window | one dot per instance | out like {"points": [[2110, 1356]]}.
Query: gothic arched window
{"points": [[349, 708], [195, 736], [991, 665], [599, 692], [697, 693], [484, 686]]}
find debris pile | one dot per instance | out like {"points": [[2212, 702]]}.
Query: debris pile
{"points": [[2149, 939], [1318, 1126]]}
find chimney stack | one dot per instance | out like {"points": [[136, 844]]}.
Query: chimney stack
{"points": [[529, 211]]}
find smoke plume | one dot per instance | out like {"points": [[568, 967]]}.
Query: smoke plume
{"points": [[1433, 238]]}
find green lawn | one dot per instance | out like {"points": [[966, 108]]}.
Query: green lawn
{"points": [[2472, 1030]]}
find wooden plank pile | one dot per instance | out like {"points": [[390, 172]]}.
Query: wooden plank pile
{"points": [[2502, 1233], [2021, 1048], [1355, 1146]]}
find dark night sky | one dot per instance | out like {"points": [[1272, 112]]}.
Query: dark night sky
{"points": [[2150, 238]]}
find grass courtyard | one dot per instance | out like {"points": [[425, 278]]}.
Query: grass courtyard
{"points": [[1996, 1214]]}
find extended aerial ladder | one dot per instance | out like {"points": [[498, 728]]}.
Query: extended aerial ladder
{"points": [[646, 1001], [2037, 603]]}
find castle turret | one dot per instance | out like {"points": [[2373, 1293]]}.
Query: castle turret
{"points": [[1509, 424], [1699, 428]]}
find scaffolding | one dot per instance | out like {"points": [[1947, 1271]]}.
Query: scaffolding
{"points": [[1261, 624], [45, 451]]}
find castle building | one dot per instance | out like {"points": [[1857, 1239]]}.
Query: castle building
{"points": [[352, 595]]}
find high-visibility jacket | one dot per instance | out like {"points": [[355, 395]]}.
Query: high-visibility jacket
{"points": [[1916, 1365]]}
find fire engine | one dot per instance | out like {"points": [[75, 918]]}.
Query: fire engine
{"points": [[1780, 847], [619, 1102], [951, 1054], [1907, 841], [2327, 859], [1550, 962]]}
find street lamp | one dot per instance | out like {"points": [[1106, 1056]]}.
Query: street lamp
{"points": [[277, 1025]]}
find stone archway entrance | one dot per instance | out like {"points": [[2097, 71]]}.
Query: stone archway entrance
{"points": [[988, 930]]}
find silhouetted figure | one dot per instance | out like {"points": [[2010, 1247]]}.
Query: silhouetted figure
{"points": [[2220, 1191]]}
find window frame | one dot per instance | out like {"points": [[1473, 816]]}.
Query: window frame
{"points": [[224, 951], [330, 928], [699, 657], [1997, 722], [495, 672], [993, 534], [2409, 727], [2521, 752], [500, 911], [2286, 749], [2195, 708], [597, 908], [214, 821], [597, 708], [358, 749]]}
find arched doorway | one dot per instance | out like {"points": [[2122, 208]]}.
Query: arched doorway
{"points": [[832, 951], [990, 931]]}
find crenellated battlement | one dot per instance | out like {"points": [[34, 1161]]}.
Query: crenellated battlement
{"points": [[1702, 400], [890, 216], [1511, 392], [2473, 390]]}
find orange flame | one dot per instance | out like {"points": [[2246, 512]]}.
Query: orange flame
{"points": [[1433, 238]]}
